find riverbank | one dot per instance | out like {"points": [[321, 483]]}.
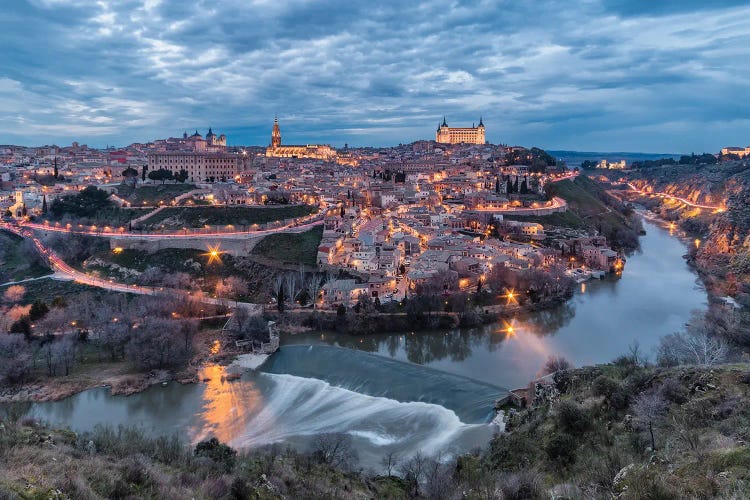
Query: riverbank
{"points": [[121, 378], [620, 430]]}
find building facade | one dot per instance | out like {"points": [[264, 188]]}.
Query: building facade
{"points": [[316, 151], [456, 135], [200, 167], [740, 152]]}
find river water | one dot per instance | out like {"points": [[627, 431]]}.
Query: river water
{"points": [[432, 391]]}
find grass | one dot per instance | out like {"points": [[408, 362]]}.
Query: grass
{"points": [[47, 290], [239, 216], [561, 219], [152, 194], [113, 216], [291, 247], [18, 260]]}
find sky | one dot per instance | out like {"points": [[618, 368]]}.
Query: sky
{"points": [[620, 75]]}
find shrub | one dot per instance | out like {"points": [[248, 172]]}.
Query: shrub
{"points": [[604, 386], [220, 453], [561, 448], [572, 418], [673, 391], [523, 485]]}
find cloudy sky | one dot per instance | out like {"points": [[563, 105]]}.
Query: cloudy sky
{"points": [[594, 75]]}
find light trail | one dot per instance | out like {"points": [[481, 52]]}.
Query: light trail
{"points": [[678, 198]]}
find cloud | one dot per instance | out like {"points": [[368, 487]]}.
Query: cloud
{"points": [[595, 75]]}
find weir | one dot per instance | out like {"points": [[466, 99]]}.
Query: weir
{"points": [[472, 401]]}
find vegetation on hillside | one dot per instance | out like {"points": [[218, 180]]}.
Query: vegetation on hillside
{"points": [[535, 158], [625, 429], [90, 206], [19, 259], [589, 206], [293, 248], [152, 194], [241, 217]]}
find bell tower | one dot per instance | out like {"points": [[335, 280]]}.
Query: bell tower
{"points": [[275, 134]]}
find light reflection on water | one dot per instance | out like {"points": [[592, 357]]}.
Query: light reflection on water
{"points": [[652, 298]]}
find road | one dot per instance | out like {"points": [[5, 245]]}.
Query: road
{"points": [[718, 208], [108, 232], [66, 272]]}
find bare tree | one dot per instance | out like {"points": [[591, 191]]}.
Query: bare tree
{"points": [[555, 364], [65, 352], [649, 409], [14, 358], [414, 471], [695, 346], [390, 462], [335, 450], [291, 286]]}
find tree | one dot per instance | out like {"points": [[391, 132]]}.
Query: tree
{"points": [[390, 462], [278, 291], [144, 169], [556, 363], [335, 450], [22, 326], [14, 293], [181, 176], [56, 172], [65, 352], [44, 205], [38, 310], [695, 346], [15, 358], [649, 409], [217, 451], [130, 175], [160, 175]]}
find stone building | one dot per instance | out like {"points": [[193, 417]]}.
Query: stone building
{"points": [[200, 166], [316, 151], [456, 135]]}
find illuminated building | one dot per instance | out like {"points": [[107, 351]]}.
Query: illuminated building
{"points": [[456, 135], [277, 150], [199, 166]]}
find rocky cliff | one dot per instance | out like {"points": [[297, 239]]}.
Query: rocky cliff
{"points": [[724, 254]]}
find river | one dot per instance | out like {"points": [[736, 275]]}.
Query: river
{"points": [[400, 393]]}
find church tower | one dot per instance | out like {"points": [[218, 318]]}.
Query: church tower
{"points": [[275, 134]]}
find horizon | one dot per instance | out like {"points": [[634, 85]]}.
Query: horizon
{"points": [[601, 76]]}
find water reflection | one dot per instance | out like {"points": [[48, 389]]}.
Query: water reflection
{"points": [[226, 405], [652, 298]]}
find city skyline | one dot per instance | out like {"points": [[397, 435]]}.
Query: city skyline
{"points": [[590, 77]]}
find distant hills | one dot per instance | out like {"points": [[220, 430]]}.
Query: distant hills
{"points": [[575, 158]]}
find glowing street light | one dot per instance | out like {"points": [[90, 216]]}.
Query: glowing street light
{"points": [[214, 254]]}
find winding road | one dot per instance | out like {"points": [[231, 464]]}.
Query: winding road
{"points": [[63, 271], [718, 208]]}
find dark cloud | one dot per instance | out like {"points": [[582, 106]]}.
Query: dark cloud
{"points": [[597, 75]]}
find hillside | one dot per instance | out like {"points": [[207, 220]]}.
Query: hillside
{"points": [[623, 429], [590, 207], [724, 256]]}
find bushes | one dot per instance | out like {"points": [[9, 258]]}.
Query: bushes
{"points": [[561, 448], [613, 391], [221, 454], [572, 418]]}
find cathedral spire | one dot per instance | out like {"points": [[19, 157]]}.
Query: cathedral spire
{"points": [[445, 124], [275, 133]]}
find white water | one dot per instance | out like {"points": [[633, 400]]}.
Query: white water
{"points": [[296, 409]]}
